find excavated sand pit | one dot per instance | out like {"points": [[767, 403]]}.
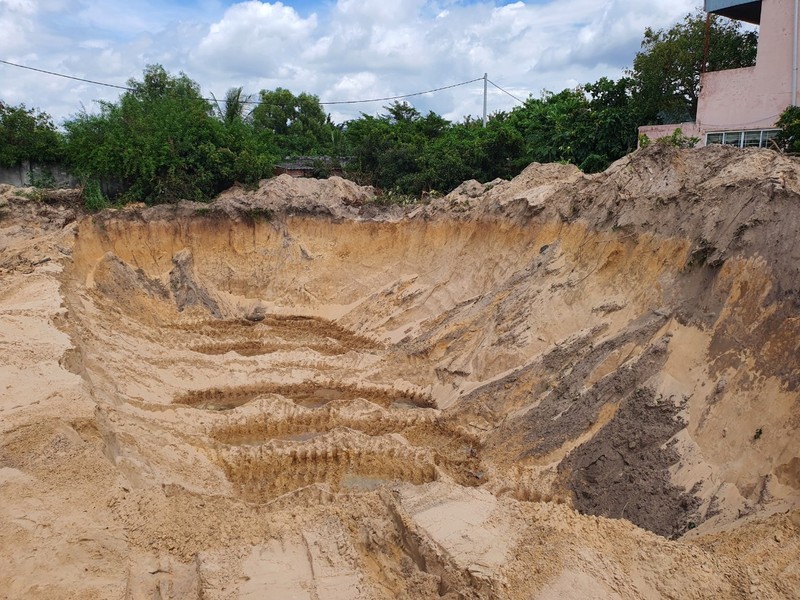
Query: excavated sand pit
{"points": [[563, 386]]}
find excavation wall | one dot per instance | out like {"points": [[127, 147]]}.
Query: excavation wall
{"points": [[622, 345]]}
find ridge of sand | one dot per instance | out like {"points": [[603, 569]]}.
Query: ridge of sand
{"points": [[558, 386]]}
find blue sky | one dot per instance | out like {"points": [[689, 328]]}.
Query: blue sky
{"points": [[336, 49]]}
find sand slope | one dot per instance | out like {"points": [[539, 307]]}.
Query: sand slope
{"points": [[556, 387]]}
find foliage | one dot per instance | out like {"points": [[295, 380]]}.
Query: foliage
{"points": [[555, 127], [256, 214], [235, 106], [403, 150], [394, 197], [35, 194], [93, 198], [667, 69], [163, 143], [589, 126], [614, 119], [788, 138], [297, 125], [677, 140], [27, 134], [42, 179], [387, 149]]}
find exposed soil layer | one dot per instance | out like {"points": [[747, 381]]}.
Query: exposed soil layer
{"points": [[627, 463], [559, 386]]}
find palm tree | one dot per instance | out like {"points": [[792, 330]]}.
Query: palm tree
{"points": [[236, 106]]}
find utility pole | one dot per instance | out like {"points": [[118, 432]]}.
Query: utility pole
{"points": [[485, 91], [794, 53]]}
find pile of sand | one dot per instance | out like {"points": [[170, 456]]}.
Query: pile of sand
{"points": [[559, 386]]}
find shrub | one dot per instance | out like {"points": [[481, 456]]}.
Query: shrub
{"points": [[163, 144], [93, 198], [678, 140], [42, 179], [788, 138], [27, 134]]}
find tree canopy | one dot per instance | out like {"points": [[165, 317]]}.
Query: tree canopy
{"points": [[666, 71], [27, 134], [163, 141], [298, 124]]}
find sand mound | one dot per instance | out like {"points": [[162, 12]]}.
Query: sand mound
{"points": [[558, 386]]}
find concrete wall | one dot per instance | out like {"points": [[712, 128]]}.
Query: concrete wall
{"points": [[753, 97], [20, 175], [655, 132], [749, 98]]}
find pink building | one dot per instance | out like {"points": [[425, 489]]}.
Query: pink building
{"points": [[740, 106]]}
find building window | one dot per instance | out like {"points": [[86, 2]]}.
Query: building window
{"points": [[767, 137], [753, 138], [732, 138]]}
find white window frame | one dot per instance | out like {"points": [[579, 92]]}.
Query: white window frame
{"points": [[737, 137]]}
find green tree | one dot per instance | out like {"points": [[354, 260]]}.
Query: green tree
{"points": [[451, 158], [162, 142], [298, 124], [389, 150], [235, 107], [555, 128], [614, 122], [788, 138], [501, 147], [467, 150], [247, 154], [667, 70], [367, 139], [27, 134]]}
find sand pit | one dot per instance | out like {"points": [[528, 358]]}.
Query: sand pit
{"points": [[556, 387]]}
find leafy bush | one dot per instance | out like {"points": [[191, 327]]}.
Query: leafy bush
{"points": [[27, 135], [395, 197], [788, 138], [678, 140], [93, 198], [162, 141], [256, 214], [667, 69], [594, 163], [41, 179]]}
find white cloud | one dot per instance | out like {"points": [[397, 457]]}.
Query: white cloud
{"points": [[349, 49], [17, 24], [257, 37]]}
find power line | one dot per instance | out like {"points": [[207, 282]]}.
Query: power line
{"points": [[506, 91], [439, 89], [111, 85], [129, 89]]}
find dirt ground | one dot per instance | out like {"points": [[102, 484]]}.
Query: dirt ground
{"points": [[560, 386]]}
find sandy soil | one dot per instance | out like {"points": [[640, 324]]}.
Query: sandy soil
{"points": [[562, 386]]}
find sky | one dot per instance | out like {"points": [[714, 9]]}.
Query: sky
{"points": [[339, 50]]}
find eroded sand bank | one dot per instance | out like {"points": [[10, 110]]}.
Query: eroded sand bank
{"points": [[556, 387]]}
